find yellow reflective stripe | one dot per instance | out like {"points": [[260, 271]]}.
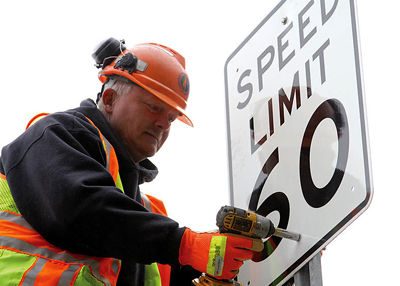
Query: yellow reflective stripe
{"points": [[152, 275], [216, 255], [6, 200], [118, 184]]}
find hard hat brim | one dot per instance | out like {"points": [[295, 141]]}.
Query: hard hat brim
{"points": [[162, 96]]}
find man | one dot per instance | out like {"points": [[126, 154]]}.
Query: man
{"points": [[71, 211]]}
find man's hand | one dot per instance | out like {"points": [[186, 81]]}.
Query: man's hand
{"points": [[216, 254]]}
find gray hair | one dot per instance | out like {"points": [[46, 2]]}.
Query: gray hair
{"points": [[121, 86]]}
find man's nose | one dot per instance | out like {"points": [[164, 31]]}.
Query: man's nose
{"points": [[164, 122]]}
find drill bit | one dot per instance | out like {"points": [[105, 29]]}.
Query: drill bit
{"points": [[287, 234]]}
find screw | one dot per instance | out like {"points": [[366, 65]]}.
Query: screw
{"points": [[284, 20]]}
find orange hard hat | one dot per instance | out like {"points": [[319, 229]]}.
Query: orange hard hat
{"points": [[156, 68]]}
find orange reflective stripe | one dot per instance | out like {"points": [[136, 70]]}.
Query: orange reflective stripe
{"points": [[146, 202], [70, 275], [2, 176], [35, 119], [154, 205], [157, 206], [28, 235], [17, 235], [16, 228], [112, 162], [47, 272], [51, 273], [165, 273], [101, 135], [110, 267]]}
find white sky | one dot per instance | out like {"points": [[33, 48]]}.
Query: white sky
{"points": [[46, 59]]}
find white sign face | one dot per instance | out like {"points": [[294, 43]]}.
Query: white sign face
{"points": [[297, 131]]}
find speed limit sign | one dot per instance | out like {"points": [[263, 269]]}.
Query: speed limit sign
{"points": [[297, 133]]}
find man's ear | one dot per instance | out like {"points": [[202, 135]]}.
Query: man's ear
{"points": [[108, 99]]}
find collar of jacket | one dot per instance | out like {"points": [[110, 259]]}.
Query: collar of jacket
{"points": [[147, 170]]}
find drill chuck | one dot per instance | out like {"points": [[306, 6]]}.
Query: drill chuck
{"points": [[263, 228]]}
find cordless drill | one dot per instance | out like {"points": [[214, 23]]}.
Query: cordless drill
{"points": [[232, 220]]}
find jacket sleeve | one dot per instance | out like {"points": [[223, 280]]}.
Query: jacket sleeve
{"points": [[57, 176]]}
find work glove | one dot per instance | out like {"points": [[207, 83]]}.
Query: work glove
{"points": [[217, 254]]}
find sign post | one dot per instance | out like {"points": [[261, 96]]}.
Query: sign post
{"points": [[310, 274], [297, 133]]}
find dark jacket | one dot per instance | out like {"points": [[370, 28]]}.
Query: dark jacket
{"points": [[57, 175]]}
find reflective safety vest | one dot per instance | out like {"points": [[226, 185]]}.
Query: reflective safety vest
{"points": [[156, 274], [27, 259]]}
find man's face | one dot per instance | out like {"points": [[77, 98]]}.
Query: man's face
{"points": [[141, 120]]}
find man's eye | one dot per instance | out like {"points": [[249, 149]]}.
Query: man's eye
{"points": [[153, 108]]}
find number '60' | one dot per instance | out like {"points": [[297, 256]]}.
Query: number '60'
{"points": [[314, 196]]}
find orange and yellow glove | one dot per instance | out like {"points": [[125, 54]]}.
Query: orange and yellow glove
{"points": [[217, 254]]}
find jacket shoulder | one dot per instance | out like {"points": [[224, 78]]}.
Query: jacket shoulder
{"points": [[64, 129]]}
